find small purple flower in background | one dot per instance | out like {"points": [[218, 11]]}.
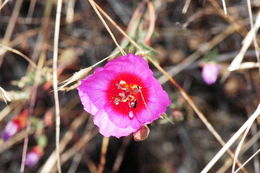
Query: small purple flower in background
{"points": [[10, 130], [33, 156], [123, 96], [210, 72], [15, 124]]}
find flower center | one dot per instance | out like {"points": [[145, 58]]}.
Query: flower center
{"points": [[127, 94]]}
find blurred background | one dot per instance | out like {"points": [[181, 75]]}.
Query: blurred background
{"points": [[183, 36]]}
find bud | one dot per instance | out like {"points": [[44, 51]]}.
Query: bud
{"points": [[142, 133], [210, 72]]}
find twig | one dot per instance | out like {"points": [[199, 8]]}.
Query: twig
{"points": [[152, 19], [19, 53], [10, 27], [31, 10], [186, 6], [50, 163], [204, 48], [247, 146], [246, 43], [252, 26], [70, 11], [250, 158], [32, 104], [4, 95], [3, 4], [120, 155], [102, 161], [92, 3], [239, 147], [55, 81], [224, 6], [237, 24], [232, 140]]}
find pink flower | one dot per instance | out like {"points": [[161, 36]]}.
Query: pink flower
{"points": [[33, 156], [123, 96], [210, 72]]}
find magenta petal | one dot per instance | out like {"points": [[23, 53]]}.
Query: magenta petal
{"points": [[156, 103], [131, 64], [108, 128], [94, 86], [122, 121]]}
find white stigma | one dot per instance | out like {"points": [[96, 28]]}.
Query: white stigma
{"points": [[131, 114]]}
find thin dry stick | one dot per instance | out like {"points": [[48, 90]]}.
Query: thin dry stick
{"points": [[3, 4], [32, 104], [70, 11], [103, 154], [232, 140], [239, 147], [14, 140], [92, 3], [10, 27], [152, 19], [184, 94], [4, 95], [252, 26], [50, 163], [237, 24], [31, 10], [204, 48], [250, 158], [120, 155], [186, 6], [19, 53], [248, 145], [246, 43], [55, 81], [224, 6], [76, 160]]}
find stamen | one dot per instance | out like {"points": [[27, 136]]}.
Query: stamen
{"points": [[117, 101]]}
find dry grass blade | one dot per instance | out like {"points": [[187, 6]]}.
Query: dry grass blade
{"points": [[248, 123], [245, 148], [55, 81], [186, 6], [246, 43], [224, 6], [3, 4], [239, 147], [50, 163], [4, 95], [103, 154], [252, 26], [203, 49], [70, 11], [250, 158], [120, 155], [106, 26], [10, 27], [20, 54], [81, 74]]}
